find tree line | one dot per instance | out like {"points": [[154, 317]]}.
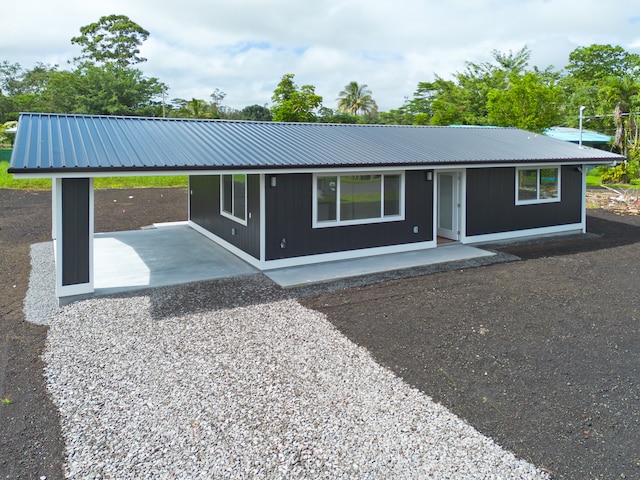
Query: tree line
{"points": [[506, 91]]}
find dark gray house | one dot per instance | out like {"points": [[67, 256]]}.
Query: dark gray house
{"points": [[283, 194]]}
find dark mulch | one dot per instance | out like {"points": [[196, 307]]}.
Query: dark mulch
{"points": [[542, 355]]}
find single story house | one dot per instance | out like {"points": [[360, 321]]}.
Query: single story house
{"points": [[284, 194]]}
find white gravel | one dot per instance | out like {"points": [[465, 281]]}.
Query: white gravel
{"points": [[40, 302], [263, 390]]}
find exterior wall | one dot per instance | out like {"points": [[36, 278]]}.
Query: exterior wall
{"points": [[288, 208], [204, 210], [491, 203]]}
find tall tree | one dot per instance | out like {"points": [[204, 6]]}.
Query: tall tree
{"points": [[293, 104], [622, 94], [104, 81], [528, 103], [356, 100], [513, 62], [595, 63], [113, 39]]}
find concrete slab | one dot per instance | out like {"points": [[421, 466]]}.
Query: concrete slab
{"points": [[170, 254], [328, 271]]}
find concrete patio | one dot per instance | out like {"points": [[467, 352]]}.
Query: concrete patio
{"points": [[173, 254]]}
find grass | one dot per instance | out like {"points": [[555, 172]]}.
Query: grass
{"points": [[7, 180]]}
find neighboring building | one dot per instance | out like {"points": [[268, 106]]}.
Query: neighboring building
{"points": [[574, 135], [283, 194]]}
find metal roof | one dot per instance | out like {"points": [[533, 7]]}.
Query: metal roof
{"points": [[569, 134], [60, 143]]}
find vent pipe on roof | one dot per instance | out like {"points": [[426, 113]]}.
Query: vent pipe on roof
{"points": [[581, 112]]}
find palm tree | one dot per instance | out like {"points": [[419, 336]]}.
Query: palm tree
{"points": [[356, 99], [623, 91]]}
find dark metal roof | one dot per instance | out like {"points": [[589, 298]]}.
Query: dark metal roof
{"points": [[57, 143]]}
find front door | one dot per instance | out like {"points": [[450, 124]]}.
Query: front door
{"points": [[449, 205]]}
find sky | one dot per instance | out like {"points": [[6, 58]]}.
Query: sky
{"points": [[244, 47]]}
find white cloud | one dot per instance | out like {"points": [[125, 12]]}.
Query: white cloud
{"points": [[243, 47]]}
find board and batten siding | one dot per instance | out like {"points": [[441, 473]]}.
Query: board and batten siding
{"points": [[205, 212], [491, 202], [289, 221], [75, 231]]}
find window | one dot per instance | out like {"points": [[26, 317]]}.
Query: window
{"points": [[537, 185], [233, 197], [356, 199]]}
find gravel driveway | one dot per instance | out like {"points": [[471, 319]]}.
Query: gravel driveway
{"points": [[163, 385]]}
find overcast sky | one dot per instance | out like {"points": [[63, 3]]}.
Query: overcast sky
{"points": [[243, 47]]}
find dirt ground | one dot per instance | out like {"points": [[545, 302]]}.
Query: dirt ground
{"points": [[542, 355]]}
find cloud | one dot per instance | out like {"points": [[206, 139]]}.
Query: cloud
{"points": [[243, 47]]}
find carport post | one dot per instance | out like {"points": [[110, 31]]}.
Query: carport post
{"points": [[72, 225]]}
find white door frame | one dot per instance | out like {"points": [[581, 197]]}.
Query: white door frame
{"points": [[449, 204]]}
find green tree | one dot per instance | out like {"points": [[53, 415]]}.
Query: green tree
{"points": [[103, 90], [293, 104], [463, 100], [113, 39], [601, 78], [328, 115], [595, 63], [356, 100], [104, 81], [528, 103], [621, 93], [22, 90], [258, 113]]}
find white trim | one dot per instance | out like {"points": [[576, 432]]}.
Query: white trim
{"points": [[463, 204], [189, 192], [311, 259], [73, 290], [57, 246], [532, 232], [54, 216], [228, 246], [346, 255], [230, 215], [80, 288], [583, 213], [362, 221], [91, 233], [539, 200], [461, 187], [263, 215], [277, 171]]}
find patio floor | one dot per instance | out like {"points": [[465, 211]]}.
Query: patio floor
{"points": [[172, 254]]}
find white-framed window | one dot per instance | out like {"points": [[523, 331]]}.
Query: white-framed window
{"points": [[357, 198], [537, 185], [233, 197]]}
